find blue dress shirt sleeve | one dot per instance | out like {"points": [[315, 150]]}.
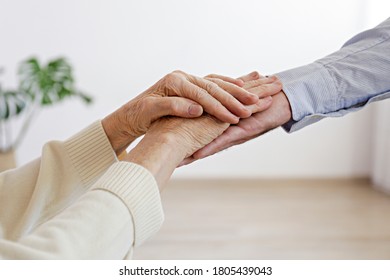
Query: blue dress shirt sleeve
{"points": [[342, 82]]}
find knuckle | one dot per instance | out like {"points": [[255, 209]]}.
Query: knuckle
{"points": [[172, 82], [178, 72], [169, 78], [211, 76], [174, 107], [255, 75], [199, 94]]}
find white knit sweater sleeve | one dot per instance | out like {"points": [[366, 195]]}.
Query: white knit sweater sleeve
{"points": [[77, 202]]}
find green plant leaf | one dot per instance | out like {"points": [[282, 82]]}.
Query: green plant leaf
{"points": [[87, 99], [46, 100], [49, 84], [11, 103]]}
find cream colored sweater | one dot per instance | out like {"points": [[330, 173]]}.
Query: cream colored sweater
{"points": [[77, 202]]}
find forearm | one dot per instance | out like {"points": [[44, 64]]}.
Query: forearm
{"points": [[341, 82], [121, 210], [37, 191], [158, 155], [98, 226]]}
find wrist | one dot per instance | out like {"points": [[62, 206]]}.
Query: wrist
{"points": [[285, 112], [159, 155], [116, 130], [277, 115]]}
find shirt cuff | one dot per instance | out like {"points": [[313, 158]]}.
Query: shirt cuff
{"points": [[138, 190], [311, 93], [310, 90], [91, 153], [293, 126]]}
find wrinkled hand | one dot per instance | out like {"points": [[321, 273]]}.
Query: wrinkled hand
{"points": [[171, 139], [187, 135], [183, 95], [279, 113]]}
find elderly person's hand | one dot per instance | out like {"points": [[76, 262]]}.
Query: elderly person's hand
{"points": [[170, 140], [249, 128], [183, 95]]}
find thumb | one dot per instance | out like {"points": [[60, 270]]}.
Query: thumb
{"points": [[177, 106]]}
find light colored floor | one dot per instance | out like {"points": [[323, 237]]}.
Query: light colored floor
{"points": [[272, 219]]}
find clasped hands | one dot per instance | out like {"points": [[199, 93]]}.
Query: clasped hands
{"points": [[185, 118]]}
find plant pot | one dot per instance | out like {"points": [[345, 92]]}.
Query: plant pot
{"points": [[7, 160]]}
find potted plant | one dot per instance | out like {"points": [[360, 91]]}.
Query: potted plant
{"points": [[39, 86]]}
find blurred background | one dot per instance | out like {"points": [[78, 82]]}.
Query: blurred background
{"points": [[119, 48]]}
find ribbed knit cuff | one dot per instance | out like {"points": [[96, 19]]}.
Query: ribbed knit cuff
{"points": [[90, 152], [137, 188]]}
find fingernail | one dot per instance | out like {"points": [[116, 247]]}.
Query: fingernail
{"points": [[195, 110]]}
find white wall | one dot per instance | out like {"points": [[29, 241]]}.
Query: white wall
{"points": [[119, 48]]}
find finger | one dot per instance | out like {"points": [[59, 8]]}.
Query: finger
{"points": [[262, 105], [237, 82], [267, 89], [174, 106], [237, 92], [223, 97], [258, 82], [251, 76], [208, 96]]}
